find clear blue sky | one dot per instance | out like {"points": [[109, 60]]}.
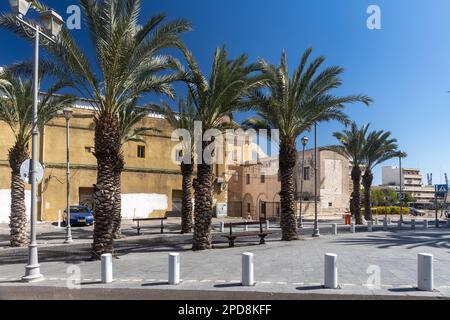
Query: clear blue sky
{"points": [[405, 66]]}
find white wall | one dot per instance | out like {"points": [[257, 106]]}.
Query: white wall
{"points": [[5, 204], [140, 205]]}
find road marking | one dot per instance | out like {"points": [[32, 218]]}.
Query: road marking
{"points": [[137, 280], [191, 280], [349, 284], [298, 283], [53, 279], [150, 280], [315, 284], [265, 282], [124, 280], [87, 279], [220, 281], [281, 282], [204, 281]]}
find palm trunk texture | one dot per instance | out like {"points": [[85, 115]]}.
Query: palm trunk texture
{"points": [[356, 178], [187, 171]]}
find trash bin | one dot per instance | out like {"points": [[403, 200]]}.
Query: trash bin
{"points": [[348, 218]]}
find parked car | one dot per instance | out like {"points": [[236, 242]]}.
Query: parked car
{"points": [[79, 215], [416, 212]]}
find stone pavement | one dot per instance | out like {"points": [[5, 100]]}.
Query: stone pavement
{"points": [[280, 267]]}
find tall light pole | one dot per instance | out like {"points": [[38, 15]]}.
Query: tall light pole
{"points": [[68, 115], [400, 156], [304, 143], [51, 23], [316, 232]]}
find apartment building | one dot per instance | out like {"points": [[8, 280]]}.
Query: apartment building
{"points": [[411, 182]]}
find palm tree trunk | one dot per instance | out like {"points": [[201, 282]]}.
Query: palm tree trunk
{"points": [[367, 182], [18, 218], [356, 178], [117, 215], [107, 152], [186, 212], [203, 206], [288, 156]]}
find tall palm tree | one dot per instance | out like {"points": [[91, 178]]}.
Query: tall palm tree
{"points": [[352, 145], [215, 100], [16, 103], [128, 60], [184, 120], [292, 105], [379, 148]]}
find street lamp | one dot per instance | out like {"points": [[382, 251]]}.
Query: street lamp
{"points": [[316, 232], [400, 156], [51, 31], [304, 143], [68, 115]]}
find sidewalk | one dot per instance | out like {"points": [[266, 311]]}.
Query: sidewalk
{"points": [[280, 267]]}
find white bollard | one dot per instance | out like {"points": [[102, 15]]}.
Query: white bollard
{"points": [[425, 223], [107, 271], [174, 268], [425, 276], [370, 226], [59, 218], [267, 225], [413, 224], [222, 226], [352, 227], [334, 229], [331, 271], [246, 228], [247, 269], [389, 220]]}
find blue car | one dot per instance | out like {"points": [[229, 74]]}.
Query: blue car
{"points": [[79, 215]]}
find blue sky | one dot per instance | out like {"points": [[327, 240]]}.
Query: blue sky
{"points": [[405, 66]]}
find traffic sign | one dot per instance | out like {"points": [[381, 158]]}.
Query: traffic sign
{"points": [[25, 171], [441, 188]]}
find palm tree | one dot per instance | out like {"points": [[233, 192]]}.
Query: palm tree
{"points": [[184, 120], [379, 148], [16, 105], [129, 62], [292, 106], [215, 101], [352, 145]]}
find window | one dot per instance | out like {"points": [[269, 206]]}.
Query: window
{"points": [[330, 204], [141, 152], [88, 149], [248, 178], [306, 173], [263, 178], [248, 207]]}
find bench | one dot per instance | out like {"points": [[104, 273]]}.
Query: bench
{"points": [[139, 227], [232, 236]]}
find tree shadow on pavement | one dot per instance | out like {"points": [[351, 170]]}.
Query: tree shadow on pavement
{"points": [[399, 239]]}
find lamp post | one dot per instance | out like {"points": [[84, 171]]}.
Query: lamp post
{"points": [[316, 232], [68, 115], [401, 187], [51, 23], [304, 143]]}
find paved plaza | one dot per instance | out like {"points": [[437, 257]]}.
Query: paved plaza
{"points": [[294, 269]]}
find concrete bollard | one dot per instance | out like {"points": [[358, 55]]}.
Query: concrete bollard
{"points": [[59, 218], [107, 272], [247, 269], [370, 226], [425, 223], [425, 276], [174, 268], [331, 271], [413, 224], [246, 228], [389, 220], [222, 226], [376, 221], [334, 229], [352, 227], [267, 225]]}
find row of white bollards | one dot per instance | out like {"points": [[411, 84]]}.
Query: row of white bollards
{"points": [[425, 273]]}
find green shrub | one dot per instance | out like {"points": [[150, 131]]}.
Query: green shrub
{"points": [[386, 210]]}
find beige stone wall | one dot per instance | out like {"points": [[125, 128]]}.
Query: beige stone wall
{"points": [[147, 184]]}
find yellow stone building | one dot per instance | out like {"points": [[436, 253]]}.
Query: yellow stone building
{"points": [[151, 181]]}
